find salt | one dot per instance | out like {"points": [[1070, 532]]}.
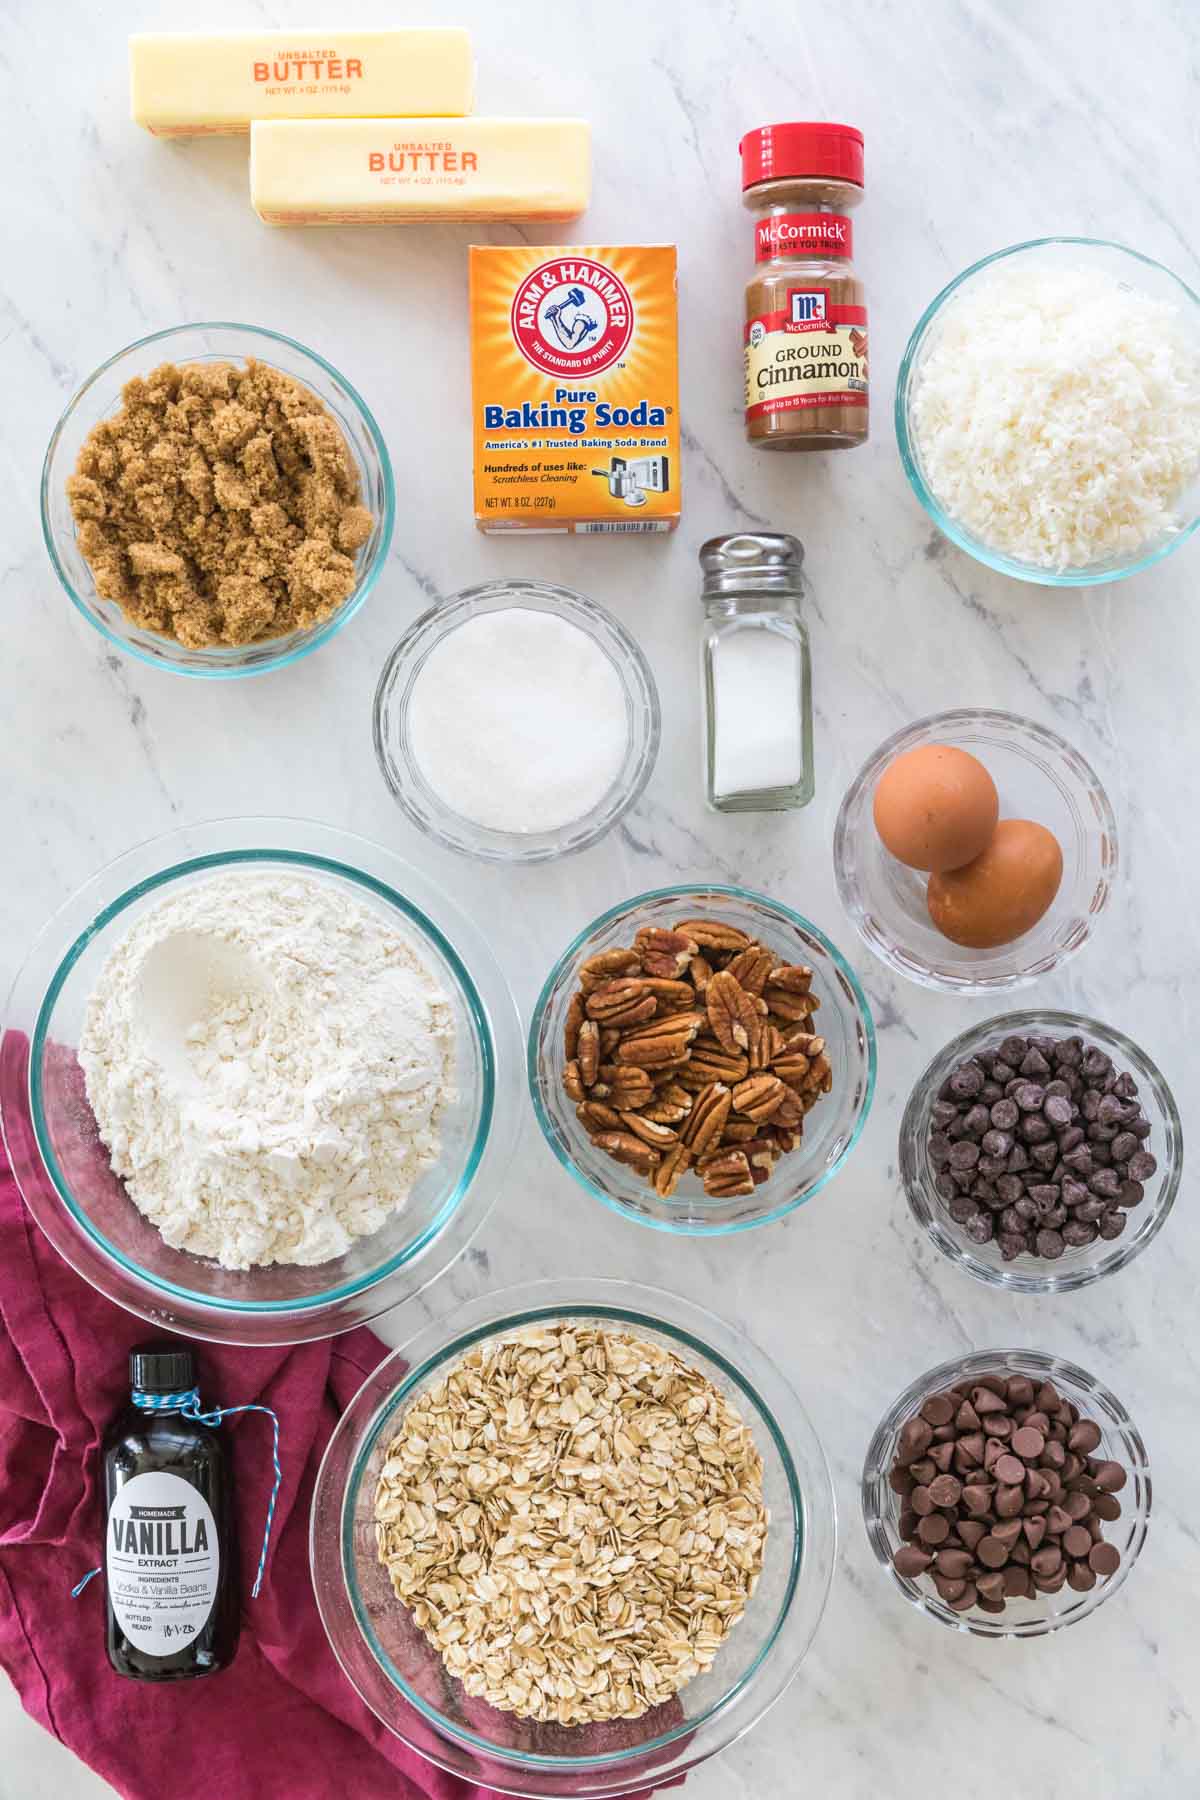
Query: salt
{"points": [[757, 738], [517, 721]]}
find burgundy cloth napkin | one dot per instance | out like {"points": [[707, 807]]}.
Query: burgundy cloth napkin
{"points": [[283, 1720]]}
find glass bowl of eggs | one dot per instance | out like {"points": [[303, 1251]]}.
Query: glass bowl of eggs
{"points": [[975, 851]]}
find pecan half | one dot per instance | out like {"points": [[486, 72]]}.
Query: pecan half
{"points": [[790, 1112], [701, 972], [659, 1137], [727, 1176], [675, 1163], [707, 1118], [667, 1112], [760, 1096], [790, 1006], [710, 1063], [792, 1068], [672, 996], [589, 1051], [624, 1002], [795, 977], [660, 1041], [571, 1024], [606, 966], [663, 953], [767, 1046], [654, 1052], [572, 1081], [597, 1116], [732, 1014], [628, 1087], [711, 934], [623, 1147], [751, 967]]}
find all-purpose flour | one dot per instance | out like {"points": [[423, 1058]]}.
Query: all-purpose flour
{"points": [[267, 1059]]}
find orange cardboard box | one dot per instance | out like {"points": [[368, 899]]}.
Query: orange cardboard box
{"points": [[575, 387]]}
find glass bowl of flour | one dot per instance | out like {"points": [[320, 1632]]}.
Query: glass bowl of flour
{"points": [[259, 1081], [516, 721]]}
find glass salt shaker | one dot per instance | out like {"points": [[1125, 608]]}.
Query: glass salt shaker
{"points": [[757, 673]]}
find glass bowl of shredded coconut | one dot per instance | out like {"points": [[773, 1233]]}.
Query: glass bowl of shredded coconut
{"points": [[516, 721], [259, 1080], [627, 1479], [1048, 411]]}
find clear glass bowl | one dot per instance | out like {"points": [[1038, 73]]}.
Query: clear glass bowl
{"points": [[1127, 266], [1039, 777], [63, 1170], [402, 772], [831, 1129], [1120, 1442], [400, 1676], [1074, 1268], [100, 397]]}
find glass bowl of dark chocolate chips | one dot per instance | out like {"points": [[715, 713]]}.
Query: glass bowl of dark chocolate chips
{"points": [[1008, 1492], [1041, 1151]]}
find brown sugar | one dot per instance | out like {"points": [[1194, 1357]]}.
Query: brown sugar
{"points": [[220, 505]]}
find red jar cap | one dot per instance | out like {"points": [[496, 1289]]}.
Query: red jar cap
{"points": [[788, 152]]}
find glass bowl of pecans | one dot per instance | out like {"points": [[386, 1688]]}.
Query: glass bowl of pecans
{"points": [[702, 1059], [1008, 1493], [520, 1492]]}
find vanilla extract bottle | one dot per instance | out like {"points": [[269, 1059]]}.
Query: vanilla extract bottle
{"points": [[170, 1553]]}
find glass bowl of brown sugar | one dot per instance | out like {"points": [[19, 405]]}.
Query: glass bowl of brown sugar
{"points": [[265, 490]]}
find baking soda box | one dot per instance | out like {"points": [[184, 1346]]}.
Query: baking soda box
{"points": [[575, 387]]}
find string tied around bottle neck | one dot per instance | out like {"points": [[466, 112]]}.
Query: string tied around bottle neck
{"points": [[186, 1402]]}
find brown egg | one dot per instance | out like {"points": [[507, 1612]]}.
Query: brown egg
{"points": [[935, 807], [1004, 892]]}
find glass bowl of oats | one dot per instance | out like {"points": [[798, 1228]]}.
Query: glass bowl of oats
{"points": [[574, 1540], [702, 1059], [217, 500]]}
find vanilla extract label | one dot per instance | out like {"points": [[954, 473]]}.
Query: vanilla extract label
{"points": [[162, 1561]]}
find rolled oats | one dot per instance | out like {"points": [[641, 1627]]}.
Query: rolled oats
{"points": [[575, 1519]]}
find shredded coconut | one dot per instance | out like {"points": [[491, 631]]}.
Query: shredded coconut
{"points": [[267, 1059], [1057, 415]]}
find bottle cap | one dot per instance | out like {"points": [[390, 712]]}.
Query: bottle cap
{"points": [[791, 152], [162, 1369], [751, 561]]}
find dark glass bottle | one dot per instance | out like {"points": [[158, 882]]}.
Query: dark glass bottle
{"points": [[170, 1549]]}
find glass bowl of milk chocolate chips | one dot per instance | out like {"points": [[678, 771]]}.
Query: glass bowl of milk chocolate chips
{"points": [[975, 851], [217, 500], [573, 1541], [1008, 1493]]}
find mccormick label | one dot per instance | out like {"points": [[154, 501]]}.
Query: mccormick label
{"points": [[803, 234], [162, 1560], [575, 388], [811, 352]]}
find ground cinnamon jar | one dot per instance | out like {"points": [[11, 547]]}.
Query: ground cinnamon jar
{"points": [[806, 315]]}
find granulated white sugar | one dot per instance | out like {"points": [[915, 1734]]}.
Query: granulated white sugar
{"points": [[517, 721]]}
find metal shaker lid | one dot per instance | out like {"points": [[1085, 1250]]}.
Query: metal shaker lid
{"points": [[751, 562]]}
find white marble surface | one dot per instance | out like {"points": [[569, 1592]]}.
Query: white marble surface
{"points": [[985, 123]]}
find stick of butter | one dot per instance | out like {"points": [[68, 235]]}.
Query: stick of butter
{"points": [[390, 171], [185, 84]]}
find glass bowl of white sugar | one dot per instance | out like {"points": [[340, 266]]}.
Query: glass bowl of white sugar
{"points": [[516, 721], [259, 1081]]}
